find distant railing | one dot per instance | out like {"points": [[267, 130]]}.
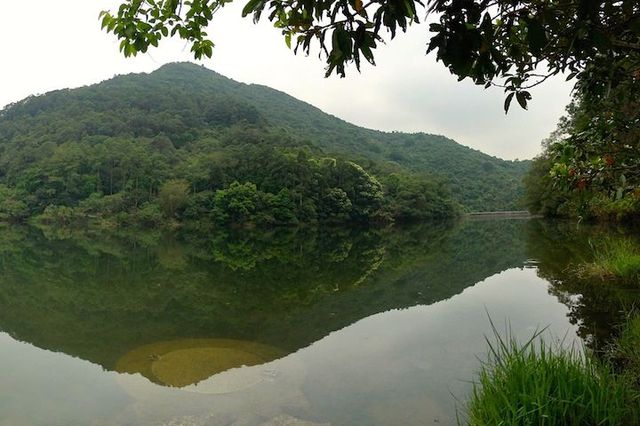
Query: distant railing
{"points": [[510, 213]]}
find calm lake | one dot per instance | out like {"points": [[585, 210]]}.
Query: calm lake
{"points": [[305, 326]]}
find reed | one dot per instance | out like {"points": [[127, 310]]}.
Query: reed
{"points": [[538, 384]]}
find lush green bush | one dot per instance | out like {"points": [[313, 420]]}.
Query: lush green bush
{"points": [[616, 210], [60, 215], [98, 204], [149, 214], [535, 384]]}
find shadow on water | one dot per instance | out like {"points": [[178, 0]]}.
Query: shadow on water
{"points": [[595, 306], [109, 298]]}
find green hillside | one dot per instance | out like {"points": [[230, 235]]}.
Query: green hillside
{"points": [[479, 181], [142, 142]]}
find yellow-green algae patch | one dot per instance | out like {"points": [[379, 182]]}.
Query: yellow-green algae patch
{"points": [[184, 362]]}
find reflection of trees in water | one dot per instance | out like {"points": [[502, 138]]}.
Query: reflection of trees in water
{"points": [[99, 295], [596, 307]]}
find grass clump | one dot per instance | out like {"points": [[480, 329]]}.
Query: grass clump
{"points": [[614, 258], [534, 384], [626, 350]]}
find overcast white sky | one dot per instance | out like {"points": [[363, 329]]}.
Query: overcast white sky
{"points": [[47, 45]]}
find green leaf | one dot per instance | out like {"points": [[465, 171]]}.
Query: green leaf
{"points": [[522, 98], [251, 6], [536, 36], [600, 40], [507, 102], [106, 18]]}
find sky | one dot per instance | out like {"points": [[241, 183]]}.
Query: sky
{"points": [[47, 45]]}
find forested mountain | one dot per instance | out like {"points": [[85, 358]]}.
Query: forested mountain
{"points": [[184, 141], [478, 181]]}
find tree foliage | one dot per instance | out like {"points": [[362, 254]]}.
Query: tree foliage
{"points": [[12, 206], [173, 195], [591, 164], [114, 144], [132, 151], [490, 41]]}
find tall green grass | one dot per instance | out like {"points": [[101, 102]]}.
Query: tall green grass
{"points": [[614, 258], [626, 350], [536, 384]]}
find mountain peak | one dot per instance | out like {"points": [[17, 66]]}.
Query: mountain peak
{"points": [[188, 70], [182, 66]]}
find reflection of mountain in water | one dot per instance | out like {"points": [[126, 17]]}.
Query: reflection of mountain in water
{"points": [[99, 297]]}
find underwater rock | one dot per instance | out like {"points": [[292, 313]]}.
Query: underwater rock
{"points": [[185, 362]]}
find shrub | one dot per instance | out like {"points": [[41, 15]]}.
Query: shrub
{"points": [[619, 210], [101, 205], [149, 214], [60, 215], [173, 196]]}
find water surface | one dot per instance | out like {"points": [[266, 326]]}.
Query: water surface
{"points": [[325, 326]]}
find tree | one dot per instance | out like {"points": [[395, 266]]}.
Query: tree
{"points": [[12, 208], [492, 42], [336, 204], [601, 150], [591, 164], [173, 196], [363, 190], [237, 203]]}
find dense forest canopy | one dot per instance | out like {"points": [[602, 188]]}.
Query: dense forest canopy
{"points": [[186, 143], [589, 167]]}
